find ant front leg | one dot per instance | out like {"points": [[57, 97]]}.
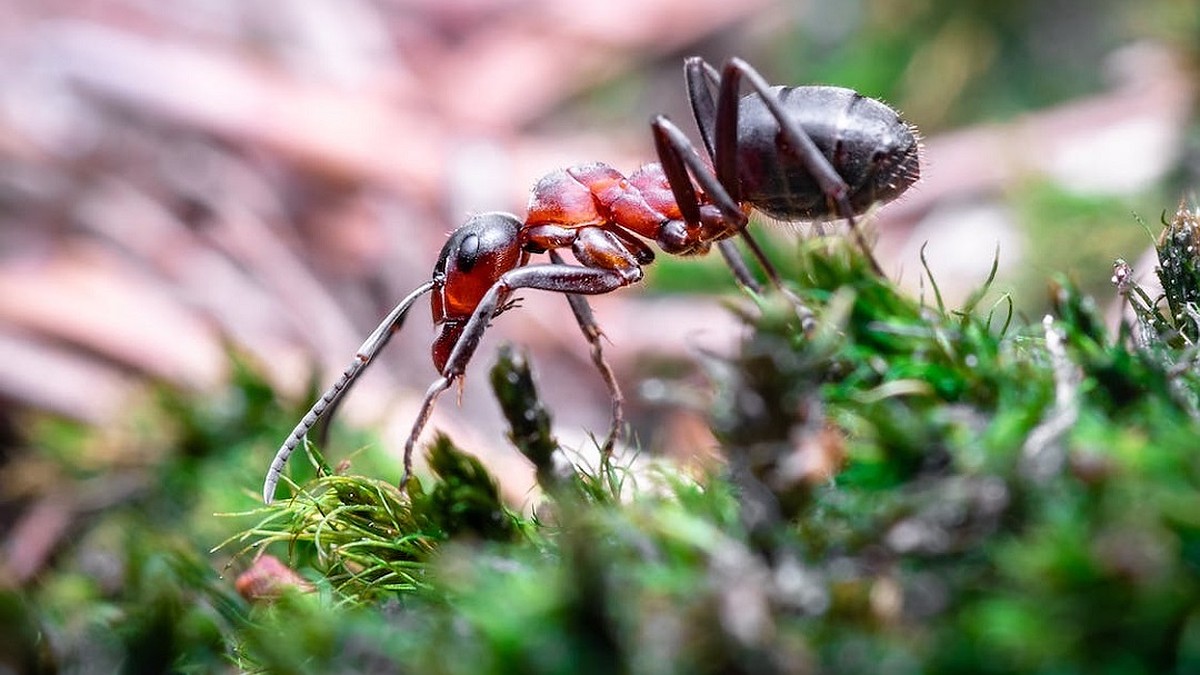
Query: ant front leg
{"points": [[559, 278], [797, 141], [700, 78]]}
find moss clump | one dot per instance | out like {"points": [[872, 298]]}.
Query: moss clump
{"points": [[907, 488]]}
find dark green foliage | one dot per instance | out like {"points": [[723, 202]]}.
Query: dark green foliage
{"points": [[907, 489], [307, 634], [162, 610], [23, 647], [360, 534], [465, 500], [527, 417], [1179, 271], [372, 541], [529, 430]]}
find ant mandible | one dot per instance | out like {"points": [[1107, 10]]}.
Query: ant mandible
{"points": [[794, 153]]}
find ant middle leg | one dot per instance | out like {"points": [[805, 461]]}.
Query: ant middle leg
{"points": [[679, 159], [559, 278], [737, 264], [680, 163], [591, 331], [741, 273]]}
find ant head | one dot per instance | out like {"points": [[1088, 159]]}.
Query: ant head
{"points": [[485, 240], [473, 259]]}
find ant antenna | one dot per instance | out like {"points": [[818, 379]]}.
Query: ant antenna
{"points": [[374, 344]]}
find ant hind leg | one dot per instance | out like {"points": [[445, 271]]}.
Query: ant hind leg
{"points": [[591, 331]]}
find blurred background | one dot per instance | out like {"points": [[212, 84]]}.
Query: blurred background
{"points": [[206, 205]]}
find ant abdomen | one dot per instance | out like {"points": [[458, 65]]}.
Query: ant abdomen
{"points": [[866, 142]]}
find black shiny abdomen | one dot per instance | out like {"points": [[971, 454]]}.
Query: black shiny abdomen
{"points": [[866, 142]]}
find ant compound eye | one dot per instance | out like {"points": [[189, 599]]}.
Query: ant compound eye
{"points": [[468, 252]]}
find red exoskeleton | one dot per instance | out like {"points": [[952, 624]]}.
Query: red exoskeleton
{"points": [[794, 153]]}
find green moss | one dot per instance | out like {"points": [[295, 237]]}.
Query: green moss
{"points": [[909, 488], [1073, 234]]}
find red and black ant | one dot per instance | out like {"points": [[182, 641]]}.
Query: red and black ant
{"points": [[794, 153]]}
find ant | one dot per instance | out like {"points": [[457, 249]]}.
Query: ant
{"points": [[794, 153]]}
